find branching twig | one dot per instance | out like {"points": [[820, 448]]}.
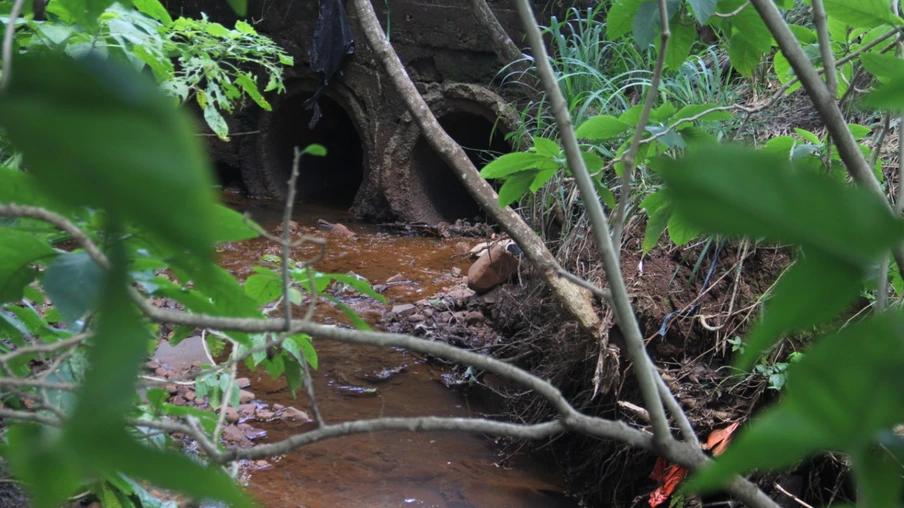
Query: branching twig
{"points": [[821, 22], [629, 158], [287, 308]]}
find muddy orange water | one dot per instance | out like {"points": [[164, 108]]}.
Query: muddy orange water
{"points": [[388, 469]]}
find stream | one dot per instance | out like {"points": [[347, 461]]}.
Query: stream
{"points": [[387, 469]]}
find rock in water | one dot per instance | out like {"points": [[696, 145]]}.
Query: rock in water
{"points": [[494, 267]]}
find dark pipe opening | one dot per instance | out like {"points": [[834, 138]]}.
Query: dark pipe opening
{"points": [[330, 180], [448, 195], [230, 177]]}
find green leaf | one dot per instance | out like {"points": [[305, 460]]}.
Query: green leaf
{"points": [[216, 122], [743, 55], [350, 313], [245, 28], [881, 65], [811, 292], [230, 226], [541, 178], [299, 345], [862, 13], [515, 187], [293, 374], [807, 135], [681, 230], [18, 250], [750, 26], [118, 144], [73, 282], [315, 149], [680, 44], [250, 87], [703, 9], [605, 194], [263, 288], [547, 147], [511, 163], [823, 410], [592, 161], [602, 127], [646, 23], [239, 6], [153, 9], [803, 34], [620, 18], [85, 12], [659, 210], [738, 192]]}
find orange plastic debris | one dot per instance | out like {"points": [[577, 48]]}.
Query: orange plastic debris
{"points": [[669, 475], [718, 439]]}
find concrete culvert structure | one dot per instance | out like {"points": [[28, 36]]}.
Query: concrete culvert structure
{"points": [[418, 184], [330, 180], [448, 197]]}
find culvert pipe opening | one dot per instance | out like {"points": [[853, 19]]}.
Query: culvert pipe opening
{"points": [[330, 180], [443, 191]]}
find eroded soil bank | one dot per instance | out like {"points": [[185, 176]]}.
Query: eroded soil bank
{"points": [[437, 469]]}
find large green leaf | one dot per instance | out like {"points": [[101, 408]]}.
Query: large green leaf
{"points": [[231, 226], [86, 12], [602, 127], [881, 65], [73, 282], [845, 390], [743, 55], [264, 286], [239, 6], [738, 192], [683, 38], [887, 96], [811, 292], [18, 251], [117, 144], [862, 13], [703, 9], [750, 26], [514, 162], [620, 18], [515, 187]]}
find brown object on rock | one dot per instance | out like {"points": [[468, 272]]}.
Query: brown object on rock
{"points": [[294, 228], [334, 228], [492, 268], [232, 415], [296, 414]]}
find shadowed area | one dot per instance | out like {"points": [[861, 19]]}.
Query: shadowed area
{"points": [[333, 179], [442, 189]]}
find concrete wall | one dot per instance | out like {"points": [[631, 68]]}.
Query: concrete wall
{"points": [[378, 163]]}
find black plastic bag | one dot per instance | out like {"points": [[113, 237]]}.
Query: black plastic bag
{"points": [[333, 41]]}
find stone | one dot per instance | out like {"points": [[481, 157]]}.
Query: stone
{"points": [[232, 415], [278, 407], [428, 312], [182, 355], [247, 409], [191, 396], [416, 318], [396, 278], [234, 434], [255, 433], [479, 249], [474, 318], [264, 414], [245, 396], [456, 271], [244, 426], [335, 228], [403, 311], [179, 400], [460, 294], [243, 382], [295, 414], [152, 365], [492, 268], [462, 247], [161, 372], [172, 388]]}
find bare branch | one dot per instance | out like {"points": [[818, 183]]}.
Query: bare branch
{"points": [[287, 308], [621, 213], [8, 43], [821, 22]]}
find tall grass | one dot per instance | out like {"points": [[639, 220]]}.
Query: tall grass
{"points": [[598, 76]]}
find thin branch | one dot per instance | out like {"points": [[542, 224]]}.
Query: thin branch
{"points": [[621, 213], [621, 305], [287, 308], [821, 21], [603, 294], [732, 13], [8, 43], [75, 340]]}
